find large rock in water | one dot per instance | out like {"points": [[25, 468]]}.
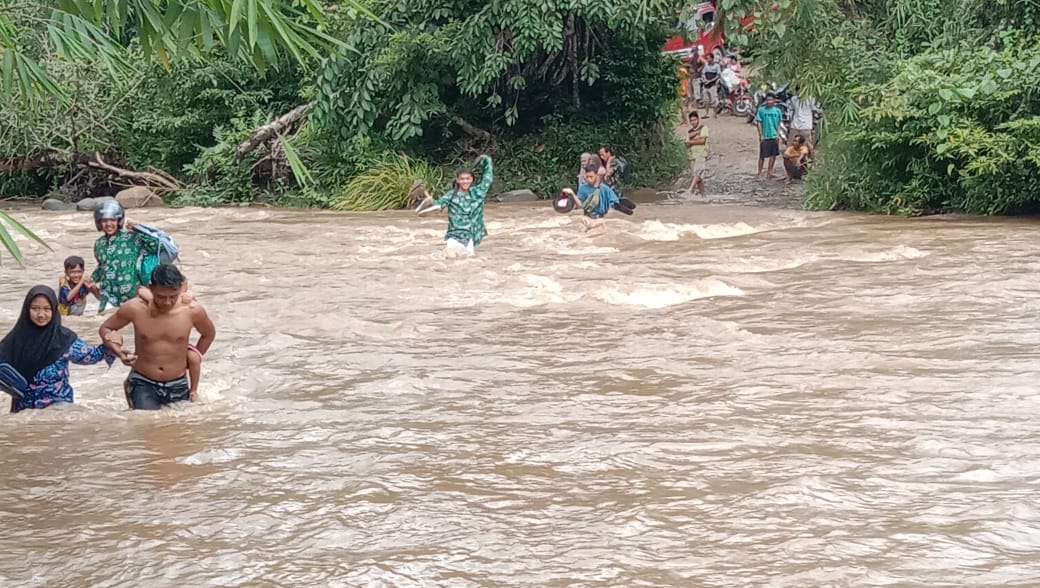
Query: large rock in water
{"points": [[91, 204], [516, 196], [55, 204], [139, 197], [86, 205]]}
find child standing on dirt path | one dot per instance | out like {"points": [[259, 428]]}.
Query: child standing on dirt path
{"points": [[697, 147], [686, 104]]}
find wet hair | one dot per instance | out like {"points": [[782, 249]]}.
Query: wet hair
{"points": [[607, 149], [770, 95], [167, 275], [74, 261], [460, 171]]}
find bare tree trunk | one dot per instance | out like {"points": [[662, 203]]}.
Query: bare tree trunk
{"points": [[269, 130], [156, 181], [571, 37]]}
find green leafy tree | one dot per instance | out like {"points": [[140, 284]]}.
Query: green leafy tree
{"points": [[109, 35], [501, 63], [932, 104]]}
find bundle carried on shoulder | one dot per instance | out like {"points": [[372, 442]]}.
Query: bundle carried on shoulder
{"points": [[166, 251]]}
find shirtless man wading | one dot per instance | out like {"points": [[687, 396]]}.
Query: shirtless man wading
{"points": [[161, 335]]}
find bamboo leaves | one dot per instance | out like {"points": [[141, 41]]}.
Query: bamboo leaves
{"points": [[7, 240], [262, 32]]}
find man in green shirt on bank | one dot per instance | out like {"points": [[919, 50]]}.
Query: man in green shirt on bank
{"points": [[768, 120]]}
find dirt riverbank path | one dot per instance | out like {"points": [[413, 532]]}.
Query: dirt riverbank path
{"points": [[731, 167]]}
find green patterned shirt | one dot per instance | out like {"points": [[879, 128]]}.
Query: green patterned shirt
{"points": [[116, 274], [466, 209]]}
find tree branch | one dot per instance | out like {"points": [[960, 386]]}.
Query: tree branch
{"points": [[268, 131], [155, 181]]}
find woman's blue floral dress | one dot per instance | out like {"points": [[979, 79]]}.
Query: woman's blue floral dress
{"points": [[51, 384]]}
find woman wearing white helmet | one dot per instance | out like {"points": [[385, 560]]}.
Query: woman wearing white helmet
{"points": [[118, 252]]}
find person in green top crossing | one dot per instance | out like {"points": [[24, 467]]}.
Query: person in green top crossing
{"points": [[465, 204], [117, 252]]}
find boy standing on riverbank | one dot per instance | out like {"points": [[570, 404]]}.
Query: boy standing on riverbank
{"points": [[768, 123], [465, 204], [697, 147]]}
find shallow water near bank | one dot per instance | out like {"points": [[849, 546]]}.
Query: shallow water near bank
{"points": [[697, 396]]}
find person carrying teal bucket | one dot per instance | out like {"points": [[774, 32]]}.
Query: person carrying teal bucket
{"points": [[465, 204]]}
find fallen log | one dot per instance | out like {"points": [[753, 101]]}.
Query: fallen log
{"points": [[268, 131], [155, 181]]}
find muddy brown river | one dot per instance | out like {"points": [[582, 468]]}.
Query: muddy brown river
{"points": [[701, 395]]}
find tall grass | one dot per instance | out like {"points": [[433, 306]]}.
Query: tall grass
{"points": [[389, 184]]}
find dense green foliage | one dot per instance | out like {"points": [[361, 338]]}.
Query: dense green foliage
{"points": [[497, 64], [159, 84], [934, 105], [262, 32]]}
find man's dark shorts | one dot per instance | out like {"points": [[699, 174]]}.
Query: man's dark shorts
{"points": [[768, 148], [146, 394]]}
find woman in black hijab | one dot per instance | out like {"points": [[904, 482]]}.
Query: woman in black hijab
{"points": [[40, 349]]}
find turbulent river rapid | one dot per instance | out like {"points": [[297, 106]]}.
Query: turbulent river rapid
{"points": [[697, 396]]}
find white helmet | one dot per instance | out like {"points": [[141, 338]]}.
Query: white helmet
{"points": [[108, 209]]}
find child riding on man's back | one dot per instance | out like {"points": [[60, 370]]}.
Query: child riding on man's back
{"points": [[120, 252], [596, 199]]}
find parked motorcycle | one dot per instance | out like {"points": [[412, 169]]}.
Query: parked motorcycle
{"points": [[733, 93], [783, 102], [783, 99]]}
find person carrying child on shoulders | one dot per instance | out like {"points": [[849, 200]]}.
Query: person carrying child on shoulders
{"points": [[126, 259]]}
